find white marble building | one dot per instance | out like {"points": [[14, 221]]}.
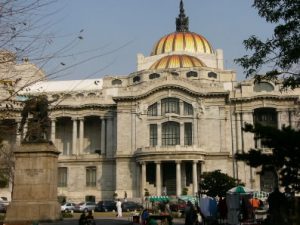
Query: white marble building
{"points": [[179, 115]]}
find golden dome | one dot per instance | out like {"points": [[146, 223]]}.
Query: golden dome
{"points": [[182, 41], [177, 61]]}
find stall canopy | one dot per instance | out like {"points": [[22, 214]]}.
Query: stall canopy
{"points": [[240, 190], [159, 199], [236, 200]]}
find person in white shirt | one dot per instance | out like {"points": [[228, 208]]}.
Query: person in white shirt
{"points": [[119, 208]]}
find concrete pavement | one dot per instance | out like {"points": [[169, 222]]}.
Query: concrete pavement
{"points": [[106, 221]]}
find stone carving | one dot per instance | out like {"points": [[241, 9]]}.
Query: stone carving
{"points": [[39, 124], [140, 109], [200, 107], [33, 172]]}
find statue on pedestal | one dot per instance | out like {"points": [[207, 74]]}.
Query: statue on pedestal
{"points": [[38, 125]]}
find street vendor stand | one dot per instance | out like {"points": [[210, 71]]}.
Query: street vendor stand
{"points": [[156, 213], [239, 209]]}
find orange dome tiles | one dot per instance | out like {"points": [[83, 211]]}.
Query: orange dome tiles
{"points": [[177, 61], [182, 41]]}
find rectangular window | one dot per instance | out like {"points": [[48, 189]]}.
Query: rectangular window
{"points": [[62, 177], [169, 105], [91, 176], [170, 133], [188, 109], [153, 134], [188, 134]]}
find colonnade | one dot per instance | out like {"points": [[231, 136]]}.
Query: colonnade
{"points": [[105, 134], [158, 176]]}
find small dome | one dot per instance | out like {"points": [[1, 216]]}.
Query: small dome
{"points": [[182, 41], [177, 61]]}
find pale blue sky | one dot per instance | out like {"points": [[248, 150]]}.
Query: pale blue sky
{"points": [[110, 24]]}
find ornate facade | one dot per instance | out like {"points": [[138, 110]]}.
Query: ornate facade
{"points": [[179, 115]]}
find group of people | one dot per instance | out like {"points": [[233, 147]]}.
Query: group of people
{"points": [[87, 219], [165, 215], [193, 215]]}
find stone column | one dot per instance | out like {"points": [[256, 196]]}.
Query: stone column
{"points": [[181, 107], [109, 137], [279, 119], [223, 134], [195, 182], [19, 133], [159, 137], [158, 177], [24, 131], [181, 134], [178, 177], [103, 136], [74, 136], [195, 131], [53, 129], [81, 135], [143, 179], [248, 137], [159, 109]]}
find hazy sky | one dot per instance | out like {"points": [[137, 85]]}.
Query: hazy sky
{"points": [[119, 29]]}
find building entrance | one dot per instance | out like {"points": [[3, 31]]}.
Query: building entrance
{"points": [[169, 178]]}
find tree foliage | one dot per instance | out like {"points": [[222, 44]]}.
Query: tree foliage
{"points": [[285, 155], [216, 183], [282, 50]]}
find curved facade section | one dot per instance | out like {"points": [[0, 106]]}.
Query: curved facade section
{"points": [[182, 41], [177, 61]]}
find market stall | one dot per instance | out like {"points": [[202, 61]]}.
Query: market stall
{"points": [[238, 204]]}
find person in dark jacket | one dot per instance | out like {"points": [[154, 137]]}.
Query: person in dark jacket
{"points": [[82, 219]]}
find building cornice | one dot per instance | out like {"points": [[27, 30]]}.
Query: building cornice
{"points": [[171, 86]]}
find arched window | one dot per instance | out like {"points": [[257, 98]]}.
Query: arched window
{"points": [[175, 74], [212, 75], [169, 105], [188, 109], [136, 79], [152, 110], [263, 86], [80, 95], [91, 94], [170, 133], [191, 74], [154, 76], [116, 82], [67, 96]]}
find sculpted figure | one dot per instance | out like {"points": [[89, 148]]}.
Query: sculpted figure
{"points": [[39, 123], [201, 107]]}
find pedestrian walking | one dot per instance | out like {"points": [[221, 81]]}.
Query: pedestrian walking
{"points": [[119, 208]]}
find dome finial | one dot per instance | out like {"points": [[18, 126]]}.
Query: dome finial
{"points": [[182, 22]]}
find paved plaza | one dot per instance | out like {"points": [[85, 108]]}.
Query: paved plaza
{"points": [[107, 221]]}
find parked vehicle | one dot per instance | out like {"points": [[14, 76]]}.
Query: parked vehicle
{"points": [[3, 208], [4, 200], [85, 207], [131, 206], [67, 207], [105, 206], [178, 206]]}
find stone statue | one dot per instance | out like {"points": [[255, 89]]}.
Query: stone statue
{"points": [[200, 107], [140, 109], [39, 123]]}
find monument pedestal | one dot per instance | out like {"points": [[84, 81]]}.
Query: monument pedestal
{"points": [[34, 195]]}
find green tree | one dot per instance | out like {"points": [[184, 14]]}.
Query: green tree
{"points": [[282, 50], [285, 155], [216, 183]]}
